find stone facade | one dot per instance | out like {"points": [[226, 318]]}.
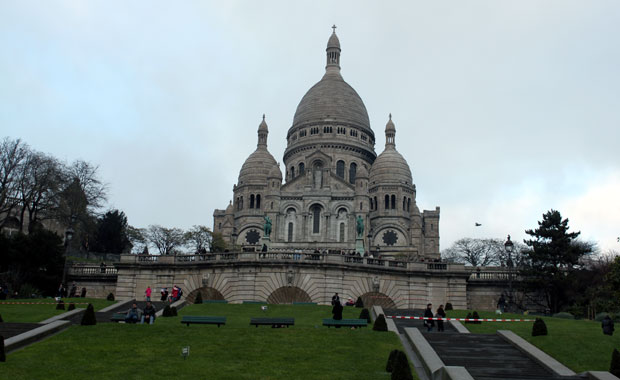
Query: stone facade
{"points": [[332, 176]]}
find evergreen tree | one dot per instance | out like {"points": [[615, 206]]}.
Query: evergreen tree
{"points": [[359, 302], [539, 328], [401, 369], [552, 256], [89, 319], [110, 297], [71, 306], [111, 233], [390, 363], [60, 305], [167, 312], [364, 314], [380, 324], [449, 307]]}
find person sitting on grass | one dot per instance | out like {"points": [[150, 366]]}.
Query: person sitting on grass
{"points": [[148, 316], [134, 315]]}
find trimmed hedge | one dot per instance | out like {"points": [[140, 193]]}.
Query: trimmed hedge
{"points": [[71, 306], [88, 319], [390, 363], [449, 307], [1, 318], [60, 305], [2, 352], [539, 328], [380, 324], [359, 302], [614, 368], [173, 309], [167, 312], [110, 297], [400, 367], [365, 314]]}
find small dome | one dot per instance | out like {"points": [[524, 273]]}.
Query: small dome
{"points": [[390, 127], [390, 168], [362, 172], [275, 172], [333, 41], [257, 167]]}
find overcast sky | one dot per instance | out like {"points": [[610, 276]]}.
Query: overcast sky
{"points": [[503, 109]]}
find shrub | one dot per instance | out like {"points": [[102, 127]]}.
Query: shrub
{"points": [[88, 319], [476, 316], [71, 306], [364, 314], [110, 297], [359, 302], [390, 363], [449, 307], [198, 299], [60, 305], [539, 328], [400, 368], [564, 315], [614, 368], [173, 309], [167, 312], [3, 354], [600, 316], [380, 324], [468, 316]]}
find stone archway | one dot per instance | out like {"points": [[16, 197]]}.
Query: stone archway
{"points": [[207, 293], [377, 299], [288, 294]]}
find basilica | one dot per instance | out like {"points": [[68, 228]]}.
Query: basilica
{"points": [[334, 193]]}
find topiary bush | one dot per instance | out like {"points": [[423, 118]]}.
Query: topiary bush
{"points": [[60, 305], [71, 306], [564, 315], [167, 312], [110, 297], [2, 352], [390, 363], [198, 299], [365, 314], [88, 319], [359, 302], [449, 307], [400, 368], [380, 324], [468, 316], [539, 328], [173, 310], [614, 368], [476, 316]]}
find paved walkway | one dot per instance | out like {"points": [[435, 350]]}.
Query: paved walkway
{"points": [[485, 356]]}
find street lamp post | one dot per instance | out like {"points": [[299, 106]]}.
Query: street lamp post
{"points": [[509, 247]]}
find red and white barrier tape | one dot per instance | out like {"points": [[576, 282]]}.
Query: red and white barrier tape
{"points": [[460, 319], [42, 303]]}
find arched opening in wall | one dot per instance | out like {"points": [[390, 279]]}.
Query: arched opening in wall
{"points": [[387, 202], [292, 172], [393, 201], [289, 237], [341, 233], [316, 219], [207, 293], [340, 169], [252, 201], [317, 174], [408, 204], [376, 204], [371, 205], [371, 299], [352, 172], [302, 168], [240, 203], [288, 294], [404, 203], [257, 200]]}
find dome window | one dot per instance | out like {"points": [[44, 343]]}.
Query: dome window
{"points": [[352, 172], [340, 169]]}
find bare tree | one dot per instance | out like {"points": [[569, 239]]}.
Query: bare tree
{"points": [[165, 239], [12, 155], [137, 239], [199, 237], [476, 252]]}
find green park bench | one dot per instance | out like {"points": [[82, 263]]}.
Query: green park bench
{"points": [[274, 322], [304, 303], [214, 301], [203, 320], [345, 322], [118, 317]]}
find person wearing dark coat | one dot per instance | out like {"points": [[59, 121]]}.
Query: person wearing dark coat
{"points": [[440, 314], [337, 311], [428, 313], [608, 325]]}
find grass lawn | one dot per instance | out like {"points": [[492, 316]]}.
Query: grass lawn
{"points": [[37, 313], [578, 344], [234, 351]]}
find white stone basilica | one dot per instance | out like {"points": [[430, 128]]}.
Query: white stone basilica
{"points": [[333, 175]]}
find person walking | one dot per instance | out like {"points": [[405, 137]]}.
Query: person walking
{"points": [[147, 293], [428, 313], [440, 314]]}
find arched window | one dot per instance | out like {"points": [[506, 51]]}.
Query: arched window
{"points": [[393, 201], [219, 226], [252, 201], [340, 169], [408, 204], [292, 172], [341, 233], [257, 200], [316, 219], [371, 205], [290, 232], [352, 172], [272, 205], [361, 206], [376, 205], [238, 204], [387, 202], [302, 168], [404, 203], [241, 203]]}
